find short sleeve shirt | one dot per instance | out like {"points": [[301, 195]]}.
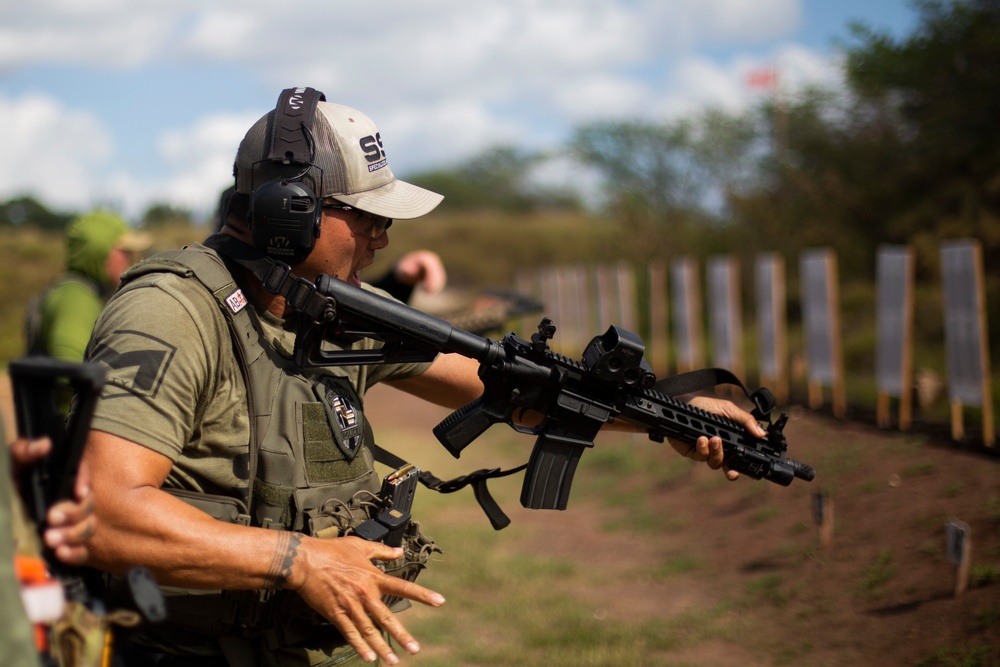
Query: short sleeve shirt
{"points": [[174, 384]]}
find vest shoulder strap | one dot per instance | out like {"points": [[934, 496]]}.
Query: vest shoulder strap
{"points": [[207, 267]]}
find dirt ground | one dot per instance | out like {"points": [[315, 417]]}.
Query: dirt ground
{"points": [[882, 594], [882, 591]]}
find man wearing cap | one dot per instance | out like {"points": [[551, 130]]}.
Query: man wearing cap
{"points": [[227, 469], [417, 270], [99, 247]]}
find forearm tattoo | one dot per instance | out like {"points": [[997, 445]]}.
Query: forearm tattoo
{"points": [[284, 555]]}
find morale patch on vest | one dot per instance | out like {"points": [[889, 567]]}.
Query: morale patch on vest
{"points": [[347, 418], [236, 301], [344, 418]]}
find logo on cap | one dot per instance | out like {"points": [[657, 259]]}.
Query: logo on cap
{"points": [[372, 148]]}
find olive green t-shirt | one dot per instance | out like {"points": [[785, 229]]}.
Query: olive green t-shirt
{"points": [[174, 384]]}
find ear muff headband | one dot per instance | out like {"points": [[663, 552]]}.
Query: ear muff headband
{"points": [[285, 214]]}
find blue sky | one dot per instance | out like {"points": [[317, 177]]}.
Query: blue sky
{"points": [[113, 102]]}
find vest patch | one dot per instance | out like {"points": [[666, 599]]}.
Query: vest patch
{"points": [[236, 301], [345, 419]]}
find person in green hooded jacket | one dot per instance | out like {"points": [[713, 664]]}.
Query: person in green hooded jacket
{"points": [[99, 247]]}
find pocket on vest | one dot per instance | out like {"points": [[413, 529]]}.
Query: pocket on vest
{"points": [[331, 453]]}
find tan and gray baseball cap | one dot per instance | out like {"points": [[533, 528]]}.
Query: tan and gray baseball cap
{"points": [[350, 165]]}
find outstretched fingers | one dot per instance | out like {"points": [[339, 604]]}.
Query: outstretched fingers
{"points": [[359, 631], [339, 580], [363, 619]]}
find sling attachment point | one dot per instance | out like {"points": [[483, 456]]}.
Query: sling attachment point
{"points": [[276, 277]]}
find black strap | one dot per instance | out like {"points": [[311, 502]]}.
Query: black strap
{"points": [[276, 277], [476, 479], [706, 378], [291, 133]]}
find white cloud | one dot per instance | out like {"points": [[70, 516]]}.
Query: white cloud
{"points": [[442, 78], [740, 21], [418, 138], [221, 34], [696, 82], [114, 34], [585, 98], [799, 67], [50, 152], [199, 160]]}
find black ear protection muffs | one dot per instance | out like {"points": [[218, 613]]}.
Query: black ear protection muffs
{"points": [[285, 214]]}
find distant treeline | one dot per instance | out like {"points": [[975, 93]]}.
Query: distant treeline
{"points": [[908, 152], [27, 212]]}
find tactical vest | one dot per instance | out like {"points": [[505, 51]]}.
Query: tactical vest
{"points": [[311, 461]]}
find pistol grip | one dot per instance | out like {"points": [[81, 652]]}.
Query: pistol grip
{"points": [[463, 426]]}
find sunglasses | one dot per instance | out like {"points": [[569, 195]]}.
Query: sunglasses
{"points": [[377, 224]]}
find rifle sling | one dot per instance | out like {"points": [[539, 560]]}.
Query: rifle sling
{"points": [[277, 278], [706, 378], [476, 479]]}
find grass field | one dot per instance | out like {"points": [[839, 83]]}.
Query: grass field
{"points": [[657, 562], [661, 562]]}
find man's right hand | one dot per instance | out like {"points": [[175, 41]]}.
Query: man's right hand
{"points": [[70, 523], [336, 578]]}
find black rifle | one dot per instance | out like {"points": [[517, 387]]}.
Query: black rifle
{"points": [[576, 397], [41, 388]]}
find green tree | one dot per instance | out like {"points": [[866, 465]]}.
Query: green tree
{"points": [[161, 215], [941, 88], [673, 183], [498, 178], [643, 165], [28, 211]]}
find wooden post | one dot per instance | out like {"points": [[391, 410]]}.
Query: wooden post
{"points": [[821, 308], [606, 313], [528, 283], [687, 314], [823, 516], [659, 339], [959, 545], [882, 410], [628, 319], [772, 323], [957, 420], [966, 334], [894, 345], [725, 315]]}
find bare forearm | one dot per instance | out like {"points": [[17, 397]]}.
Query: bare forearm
{"points": [[183, 546], [451, 381]]}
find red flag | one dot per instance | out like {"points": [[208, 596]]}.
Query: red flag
{"points": [[765, 78]]}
